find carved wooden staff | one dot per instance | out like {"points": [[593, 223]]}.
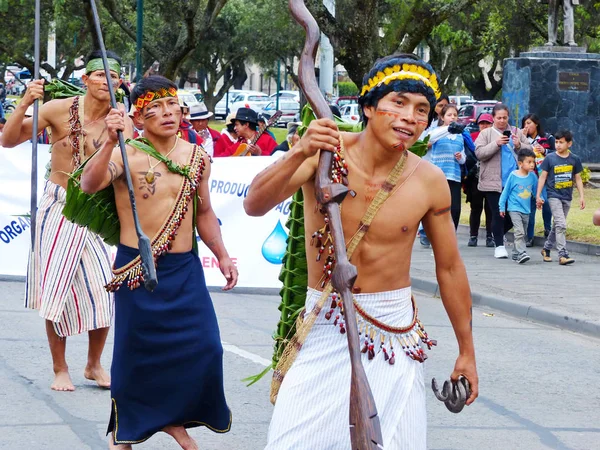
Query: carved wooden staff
{"points": [[144, 246], [365, 431]]}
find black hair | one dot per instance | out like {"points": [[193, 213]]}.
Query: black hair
{"points": [[372, 97], [443, 97], [535, 119], [564, 134], [525, 153], [499, 107], [2, 121], [152, 83], [252, 126], [230, 127], [98, 54], [433, 116]]}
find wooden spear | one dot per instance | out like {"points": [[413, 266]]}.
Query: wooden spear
{"points": [[144, 246], [365, 430], [34, 133]]}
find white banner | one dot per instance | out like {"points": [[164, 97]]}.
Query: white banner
{"points": [[256, 244]]}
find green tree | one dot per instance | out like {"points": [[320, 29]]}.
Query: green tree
{"points": [[363, 30], [172, 29], [74, 38]]}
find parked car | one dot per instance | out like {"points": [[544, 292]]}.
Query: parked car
{"points": [[344, 100], [461, 100], [252, 100], [289, 108], [198, 94], [469, 113], [187, 97], [295, 95], [221, 106], [350, 113]]}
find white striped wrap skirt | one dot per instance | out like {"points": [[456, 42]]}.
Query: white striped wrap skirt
{"points": [[67, 270], [312, 408]]}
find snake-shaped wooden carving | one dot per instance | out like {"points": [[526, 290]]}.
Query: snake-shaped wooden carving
{"points": [[365, 430], [454, 394]]}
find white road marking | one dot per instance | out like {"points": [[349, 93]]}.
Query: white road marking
{"points": [[244, 354]]}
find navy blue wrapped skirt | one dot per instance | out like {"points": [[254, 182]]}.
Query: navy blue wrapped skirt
{"points": [[167, 366]]}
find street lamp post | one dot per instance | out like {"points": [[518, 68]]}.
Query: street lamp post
{"points": [[278, 84]]}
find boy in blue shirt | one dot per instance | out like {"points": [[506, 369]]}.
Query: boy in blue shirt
{"points": [[559, 170], [520, 186]]}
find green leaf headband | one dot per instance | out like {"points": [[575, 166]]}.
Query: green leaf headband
{"points": [[96, 64]]}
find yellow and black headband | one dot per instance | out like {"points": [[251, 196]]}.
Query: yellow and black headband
{"points": [[413, 77]]}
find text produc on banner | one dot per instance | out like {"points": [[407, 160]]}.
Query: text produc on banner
{"points": [[255, 244]]}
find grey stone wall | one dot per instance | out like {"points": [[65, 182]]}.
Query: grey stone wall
{"points": [[531, 85]]}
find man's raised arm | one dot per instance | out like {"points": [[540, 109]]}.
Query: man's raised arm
{"points": [[18, 128], [103, 168], [281, 179]]}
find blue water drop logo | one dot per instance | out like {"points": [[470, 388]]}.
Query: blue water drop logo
{"points": [[273, 249]]}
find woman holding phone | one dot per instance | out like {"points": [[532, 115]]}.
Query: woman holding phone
{"points": [[497, 148]]}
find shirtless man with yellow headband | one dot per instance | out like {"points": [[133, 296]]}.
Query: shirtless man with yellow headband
{"points": [[312, 400], [69, 266]]}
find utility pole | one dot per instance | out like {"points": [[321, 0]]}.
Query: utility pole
{"points": [[278, 83], [326, 60]]}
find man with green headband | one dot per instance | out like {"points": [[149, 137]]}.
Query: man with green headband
{"points": [[395, 190], [69, 266]]}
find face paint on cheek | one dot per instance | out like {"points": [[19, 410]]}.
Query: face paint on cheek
{"points": [[422, 122], [385, 112], [149, 114]]}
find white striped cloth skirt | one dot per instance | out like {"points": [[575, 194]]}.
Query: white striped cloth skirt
{"points": [[312, 408], [67, 270]]}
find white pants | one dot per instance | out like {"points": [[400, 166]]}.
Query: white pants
{"points": [[312, 408]]}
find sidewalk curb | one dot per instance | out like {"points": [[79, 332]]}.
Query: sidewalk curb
{"points": [[573, 246], [521, 310], [513, 308]]}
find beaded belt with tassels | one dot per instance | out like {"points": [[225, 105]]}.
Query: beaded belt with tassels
{"points": [[161, 243], [380, 337]]}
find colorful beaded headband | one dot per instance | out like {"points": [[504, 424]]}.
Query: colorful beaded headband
{"points": [[404, 72], [150, 96], [96, 64]]}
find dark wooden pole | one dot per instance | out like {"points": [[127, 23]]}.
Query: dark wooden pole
{"points": [[144, 246], [365, 430], [34, 133]]}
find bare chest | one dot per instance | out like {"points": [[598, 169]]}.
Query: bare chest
{"points": [[395, 220], [152, 181]]}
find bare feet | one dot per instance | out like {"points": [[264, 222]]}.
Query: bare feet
{"points": [[182, 437], [99, 375], [113, 446], [62, 381]]}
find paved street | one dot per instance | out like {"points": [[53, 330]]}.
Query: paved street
{"points": [[538, 384]]}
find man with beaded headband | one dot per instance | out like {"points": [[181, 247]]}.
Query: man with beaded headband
{"points": [[69, 266], [167, 368], [394, 190]]}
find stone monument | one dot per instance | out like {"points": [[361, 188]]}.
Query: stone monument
{"points": [[562, 86], [568, 23]]}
